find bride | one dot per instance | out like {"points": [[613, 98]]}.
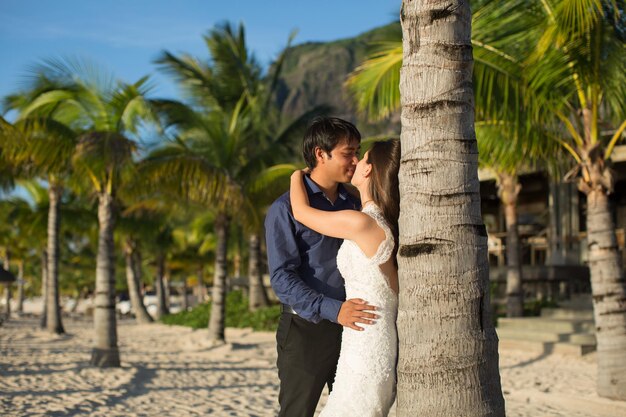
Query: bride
{"points": [[366, 372]]}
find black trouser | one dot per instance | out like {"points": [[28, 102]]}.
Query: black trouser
{"points": [[307, 360]]}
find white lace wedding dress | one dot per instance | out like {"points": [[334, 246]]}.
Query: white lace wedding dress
{"points": [[365, 382]]}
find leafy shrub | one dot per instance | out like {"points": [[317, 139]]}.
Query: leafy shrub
{"points": [[237, 315]]}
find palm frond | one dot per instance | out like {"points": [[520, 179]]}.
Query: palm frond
{"points": [[102, 156], [270, 183], [46, 102], [49, 144], [271, 147], [375, 84], [66, 71], [178, 170], [130, 106], [175, 114], [236, 69], [194, 76]]}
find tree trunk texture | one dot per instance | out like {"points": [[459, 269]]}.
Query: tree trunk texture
{"points": [[44, 289], [20, 287], [508, 191], [133, 281], [448, 347], [258, 295], [160, 287], [53, 312], [609, 296], [105, 352], [218, 298]]}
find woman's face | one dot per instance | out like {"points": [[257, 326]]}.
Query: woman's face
{"points": [[361, 172]]}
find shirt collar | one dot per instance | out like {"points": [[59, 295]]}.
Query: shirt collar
{"points": [[313, 188]]}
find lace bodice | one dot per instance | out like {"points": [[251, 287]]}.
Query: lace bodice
{"points": [[361, 273], [366, 375]]}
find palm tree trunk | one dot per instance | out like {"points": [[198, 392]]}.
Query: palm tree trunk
{"points": [[7, 300], [555, 235], [609, 296], [7, 288], [200, 290], [237, 262], [237, 258], [137, 259], [160, 287], [448, 347], [167, 284], [258, 295], [133, 280], [44, 288], [81, 295], [218, 298], [53, 312], [105, 352], [20, 287], [508, 190], [185, 300]]}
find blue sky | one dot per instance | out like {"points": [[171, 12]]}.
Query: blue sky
{"points": [[126, 36]]}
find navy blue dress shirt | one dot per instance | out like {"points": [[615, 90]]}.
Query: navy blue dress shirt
{"points": [[302, 262]]}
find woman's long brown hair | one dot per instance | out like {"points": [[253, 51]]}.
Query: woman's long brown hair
{"points": [[384, 156]]}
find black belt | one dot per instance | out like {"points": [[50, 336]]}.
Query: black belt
{"points": [[285, 308]]}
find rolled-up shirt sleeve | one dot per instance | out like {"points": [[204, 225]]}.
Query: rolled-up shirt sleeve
{"points": [[284, 260]]}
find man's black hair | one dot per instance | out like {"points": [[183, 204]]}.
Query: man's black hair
{"points": [[326, 133]]}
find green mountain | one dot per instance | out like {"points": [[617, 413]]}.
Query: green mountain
{"points": [[314, 74]]}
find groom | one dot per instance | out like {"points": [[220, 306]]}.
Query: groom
{"points": [[304, 273]]}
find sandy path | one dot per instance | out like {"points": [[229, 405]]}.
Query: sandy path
{"points": [[171, 371]]}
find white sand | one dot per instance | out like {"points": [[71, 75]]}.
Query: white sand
{"points": [[171, 371]]}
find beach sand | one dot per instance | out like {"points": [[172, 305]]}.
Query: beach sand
{"points": [[172, 371]]}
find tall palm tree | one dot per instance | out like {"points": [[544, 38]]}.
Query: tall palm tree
{"points": [[109, 112], [577, 72], [45, 147], [448, 353], [30, 220], [229, 135], [210, 162]]}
